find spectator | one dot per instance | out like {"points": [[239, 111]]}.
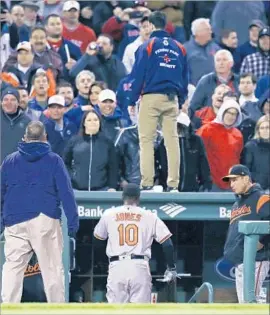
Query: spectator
{"points": [[13, 122], [49, 7], [73, 30], [48, 58], [247, 86], [229, 41], [262, 85], [34, 184], [86, 13], [22, 72], [256, 154], [258, 109], [56, 110], [259, 62], [131, 29], [68, 51], [91, 158], [83, 81], [104, 10], [223, 142], [53, 136], [194, 169], [40, 85], [14, 25], [209, 113], [194, 10], [200, 50], [230, 15], [110, 113], [128, 149], [160, 73], [33, 114], [207, 84], [124, 26], [65, 89], [95, 90], [129, 54], [250, 46], [100, 60], [75, 115], [30, 13]]}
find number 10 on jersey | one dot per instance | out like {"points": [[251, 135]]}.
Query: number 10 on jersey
{"points": [[128, 235]]}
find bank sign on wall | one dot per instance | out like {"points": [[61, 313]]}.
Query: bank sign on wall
{"points": [[168, 211]]}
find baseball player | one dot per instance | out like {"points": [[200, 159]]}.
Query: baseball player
{"points": [[130, 231], [251, 204]]}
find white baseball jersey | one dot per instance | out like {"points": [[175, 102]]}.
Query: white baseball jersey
{"points": [[130, 230]]}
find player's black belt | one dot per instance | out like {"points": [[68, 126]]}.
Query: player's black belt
{"points": [[116, 258]]}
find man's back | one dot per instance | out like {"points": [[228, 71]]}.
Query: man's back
{"points": [[29, 181], [160, 67], [131, 230]]}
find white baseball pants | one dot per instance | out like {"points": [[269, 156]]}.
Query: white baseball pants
{"points": [[129, 281], [42, 235], [261, 272]]}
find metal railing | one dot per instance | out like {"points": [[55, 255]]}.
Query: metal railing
{"points": [[209, 289]]}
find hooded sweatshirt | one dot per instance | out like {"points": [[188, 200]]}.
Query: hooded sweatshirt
{"points": [[253, 205], [223, 144], [34, 180]]}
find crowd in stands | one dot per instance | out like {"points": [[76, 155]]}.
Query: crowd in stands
{"points": [[67, 64]]}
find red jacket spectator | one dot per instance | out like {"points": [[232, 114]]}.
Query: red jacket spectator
{"points": [[223, 142], [209, 113], [114, 27]]}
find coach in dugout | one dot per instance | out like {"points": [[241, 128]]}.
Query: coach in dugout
{"points": [[34, 182], [251, 204], [160, 75]]}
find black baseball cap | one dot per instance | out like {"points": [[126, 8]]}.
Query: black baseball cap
{"points": [[236, 171], [131, 191]]}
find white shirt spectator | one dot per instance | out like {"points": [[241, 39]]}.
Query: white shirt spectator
{"points": [[129, 54]]}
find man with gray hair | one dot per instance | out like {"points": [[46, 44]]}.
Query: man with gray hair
{"points": [[206, 86], [200, 50], [83, 81], [34, 183]]}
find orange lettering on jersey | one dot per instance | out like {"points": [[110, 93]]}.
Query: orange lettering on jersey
{"points": [[127, 216], [240, 212]]}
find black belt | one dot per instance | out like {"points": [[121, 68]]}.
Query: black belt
{"points": [[116, 258]]}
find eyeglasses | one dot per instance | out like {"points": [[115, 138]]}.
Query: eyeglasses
{"points": [[232, 113]]}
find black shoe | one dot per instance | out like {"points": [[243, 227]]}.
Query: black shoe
{"points": [[172, 189]]}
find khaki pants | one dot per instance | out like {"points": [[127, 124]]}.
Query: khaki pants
{"points": [[154, 109], [42, 235]]}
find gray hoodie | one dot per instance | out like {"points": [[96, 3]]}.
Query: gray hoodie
{"points": [[226, 105]]}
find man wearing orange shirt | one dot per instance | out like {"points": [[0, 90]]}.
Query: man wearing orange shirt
{"points": [[73, 30]]}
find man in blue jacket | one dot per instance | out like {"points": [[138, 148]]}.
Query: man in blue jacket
{"points": [[34, 183], [160, 74]]}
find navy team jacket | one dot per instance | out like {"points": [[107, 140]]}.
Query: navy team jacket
{"points": [[160, 67], [253, 205]]}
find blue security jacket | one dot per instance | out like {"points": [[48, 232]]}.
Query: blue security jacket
{"points": [[34, 180], [160, 67]]}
